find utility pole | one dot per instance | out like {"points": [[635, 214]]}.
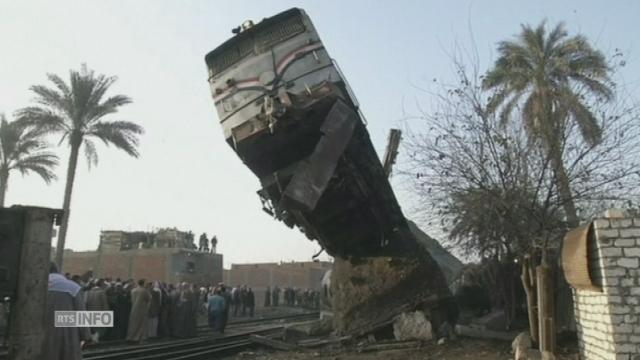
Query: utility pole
{"points": [[393, 142]]}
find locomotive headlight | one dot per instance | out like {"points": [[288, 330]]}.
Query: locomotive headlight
{"points": [[247, 25]]}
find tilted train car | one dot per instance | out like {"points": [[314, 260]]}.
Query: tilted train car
{"points": [[289, 114]]}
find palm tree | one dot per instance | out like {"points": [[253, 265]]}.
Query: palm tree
{"points": [[22, 149], [548, 77], [76, 111]]}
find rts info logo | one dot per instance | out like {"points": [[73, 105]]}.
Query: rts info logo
{"points": [[83, 319]]}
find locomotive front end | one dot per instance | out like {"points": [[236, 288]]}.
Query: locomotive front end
{"points": [[289, 114]]}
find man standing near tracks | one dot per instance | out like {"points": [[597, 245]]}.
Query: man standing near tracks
{"points": [[216, 305], [226, 294], [140, 301], [97, 301], [64, 343], [235, 295], [251, 301], [267, 297], [276, 295]]}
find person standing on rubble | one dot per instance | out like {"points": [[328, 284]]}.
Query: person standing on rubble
{"points": [[214, 244], [203, 242]]}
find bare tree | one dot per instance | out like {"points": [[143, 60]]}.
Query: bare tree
{"points": [[493, 188]]}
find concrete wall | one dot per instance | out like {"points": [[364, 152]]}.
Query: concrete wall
{"points": [[303, 275], [609, 321], [163, 264]]}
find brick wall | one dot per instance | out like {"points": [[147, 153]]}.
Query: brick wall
{"points": [[609, 321]]}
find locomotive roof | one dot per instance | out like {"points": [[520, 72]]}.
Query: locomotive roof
{"points": [[251, 31]]}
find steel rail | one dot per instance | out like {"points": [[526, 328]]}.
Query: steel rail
{"points": [[181, 349], [216, 344]]}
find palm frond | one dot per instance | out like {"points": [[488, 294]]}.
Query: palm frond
{"points": [[24, 150], [43, 170], [43, 118], [558, 33], [121, 134], [583, 117], [51, 98], [109, 106], [60, 84]]}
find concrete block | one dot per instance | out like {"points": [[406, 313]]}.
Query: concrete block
{"points": [[611, 252], [611, 281], [606, 262], [625, 243], [602, 224], [632, 252], [627, 348], [635, 291], [615, 272], [627, 282], [623, 328], [616, 319], [607, 234], [621, 223], [619, 338], [613, 299], [631, 263], [614, 213], [629, 233]]}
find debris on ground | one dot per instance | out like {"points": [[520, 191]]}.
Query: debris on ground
{"points": [[412, 326], [462, 348], [521, 346]]}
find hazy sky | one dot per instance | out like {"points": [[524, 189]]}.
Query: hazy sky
{"points": [[187, 176]]}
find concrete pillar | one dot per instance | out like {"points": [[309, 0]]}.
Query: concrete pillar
{"points": [[28, 316], [607, 311]]}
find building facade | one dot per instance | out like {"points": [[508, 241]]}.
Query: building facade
{"points": [[166, 255]]}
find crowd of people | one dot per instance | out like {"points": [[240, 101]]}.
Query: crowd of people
{"points": [[141, 309], [307, 298]]}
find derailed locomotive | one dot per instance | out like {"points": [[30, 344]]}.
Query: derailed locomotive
{"points": [[290, 115]]}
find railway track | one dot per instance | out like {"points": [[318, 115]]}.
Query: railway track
{"points": [[200, 347], [193, 349]]}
